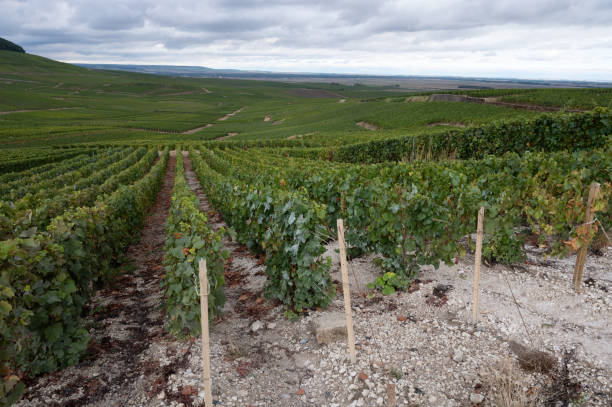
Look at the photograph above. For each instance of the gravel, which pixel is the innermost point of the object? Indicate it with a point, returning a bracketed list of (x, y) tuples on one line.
[(436, 357)]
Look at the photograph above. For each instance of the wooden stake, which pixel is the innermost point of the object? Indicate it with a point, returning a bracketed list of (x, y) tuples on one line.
[(479, 234), (346, 291), (392, 398), (205, 338), (582, 252)]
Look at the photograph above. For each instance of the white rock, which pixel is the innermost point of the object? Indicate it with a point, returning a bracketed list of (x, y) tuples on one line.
[(458, 356), (161, 395), (476, 398), (256, 326), (271, 325)]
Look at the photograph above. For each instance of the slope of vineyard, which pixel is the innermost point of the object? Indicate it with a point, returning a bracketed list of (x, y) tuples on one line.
[(84, 153)]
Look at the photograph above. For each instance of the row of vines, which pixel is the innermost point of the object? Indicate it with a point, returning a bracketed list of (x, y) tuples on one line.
[(417, 214), (24, 159), (189, 238), (32, 206), (48, 274)]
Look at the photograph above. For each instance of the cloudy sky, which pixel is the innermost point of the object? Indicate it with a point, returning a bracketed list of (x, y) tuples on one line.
[(552, 39)]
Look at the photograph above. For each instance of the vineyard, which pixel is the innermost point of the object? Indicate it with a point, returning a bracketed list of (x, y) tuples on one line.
[(256, 189)]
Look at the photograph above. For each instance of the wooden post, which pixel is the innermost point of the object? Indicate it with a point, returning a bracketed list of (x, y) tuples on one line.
[(582, 252), (392, 397), (479, 234), (346, 291), (205, 338)]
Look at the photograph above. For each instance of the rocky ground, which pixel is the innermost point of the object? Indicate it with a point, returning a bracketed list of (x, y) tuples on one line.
[(414, 348), (422, 350)]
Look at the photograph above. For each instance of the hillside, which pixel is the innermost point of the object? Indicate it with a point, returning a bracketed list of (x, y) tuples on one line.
[(104, 106), (26, 64), (6, 45), (49, 103)]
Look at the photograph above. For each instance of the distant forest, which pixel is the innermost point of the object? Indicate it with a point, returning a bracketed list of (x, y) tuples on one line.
[(6, 45)]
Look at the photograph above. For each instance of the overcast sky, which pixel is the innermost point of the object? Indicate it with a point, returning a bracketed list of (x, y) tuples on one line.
[(552, 39)]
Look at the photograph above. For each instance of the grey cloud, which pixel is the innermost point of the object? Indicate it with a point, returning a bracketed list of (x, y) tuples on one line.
[(294, 30), (109, 17)]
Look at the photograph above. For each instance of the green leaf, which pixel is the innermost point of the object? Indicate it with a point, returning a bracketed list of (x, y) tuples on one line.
[(388, 290), (15, 393), (5, 307), (53, 332)]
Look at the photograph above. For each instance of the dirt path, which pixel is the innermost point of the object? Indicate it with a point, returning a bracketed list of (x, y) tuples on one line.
[(416, 99), (194, 130), (367, 125), (15, 80), (37, 110), (227, 116), (191, 131), (129, 345), (231, 134), (455, 124)]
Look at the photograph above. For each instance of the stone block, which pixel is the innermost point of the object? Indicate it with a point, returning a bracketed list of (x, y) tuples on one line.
[(330, 327)]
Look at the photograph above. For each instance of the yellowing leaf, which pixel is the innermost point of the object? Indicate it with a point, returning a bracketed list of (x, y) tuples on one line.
[(572, 244), (5, 307), (8, 292)]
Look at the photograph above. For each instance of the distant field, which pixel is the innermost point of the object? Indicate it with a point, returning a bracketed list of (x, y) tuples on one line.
[(43, 102), (47, 103), (559, 98), (390, 82)]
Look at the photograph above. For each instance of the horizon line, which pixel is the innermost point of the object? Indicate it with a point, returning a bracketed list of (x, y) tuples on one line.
[(352, 74)]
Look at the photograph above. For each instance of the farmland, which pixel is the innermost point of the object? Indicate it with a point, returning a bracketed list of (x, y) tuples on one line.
[(115, 184)]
